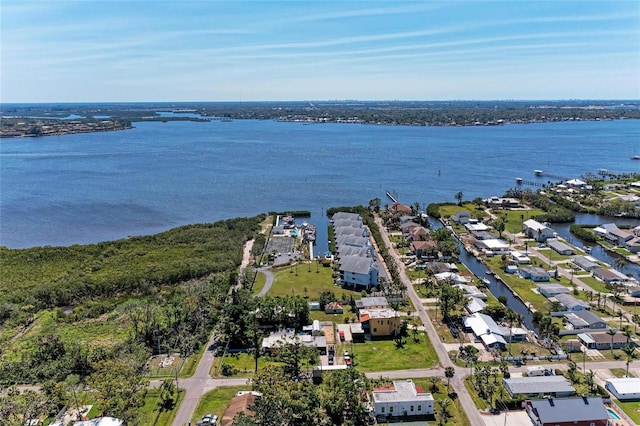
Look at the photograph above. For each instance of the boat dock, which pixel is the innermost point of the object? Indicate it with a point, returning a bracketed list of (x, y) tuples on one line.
[(391, 197)]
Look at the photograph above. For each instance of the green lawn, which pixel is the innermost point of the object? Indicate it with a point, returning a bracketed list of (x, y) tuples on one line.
[(216, 401), (288, 281), (595, 284), (457, 415), (149, 412), (619, 372), (513, 221), (631, 409), (261, 280), (383, 355), (191, 363), (244, 364)]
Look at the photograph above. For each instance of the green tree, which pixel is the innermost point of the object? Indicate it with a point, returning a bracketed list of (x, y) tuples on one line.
[(168, 395), (343, 397), (629, 352), (459, 196), (611, 332), (499, 226), (449, 372), (293, 355)]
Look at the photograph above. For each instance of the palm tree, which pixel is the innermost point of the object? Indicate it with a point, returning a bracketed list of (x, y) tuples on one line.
[(611, 332), (459, 196), (629, 350), (443, 404), (626, 332), (589, 380), (449, 373)]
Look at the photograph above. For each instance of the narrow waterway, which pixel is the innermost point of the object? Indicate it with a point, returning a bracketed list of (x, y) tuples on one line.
[(597, 251), (496, 287)]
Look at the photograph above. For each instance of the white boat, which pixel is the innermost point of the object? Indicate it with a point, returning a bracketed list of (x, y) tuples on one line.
[(538, 172), (636, 157), (486, 281)]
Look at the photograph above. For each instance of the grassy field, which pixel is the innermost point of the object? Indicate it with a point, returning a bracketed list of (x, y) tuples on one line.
[(383, 355), (513, 220), (619, 372), (216, 401), (289, 281), (244, 364)]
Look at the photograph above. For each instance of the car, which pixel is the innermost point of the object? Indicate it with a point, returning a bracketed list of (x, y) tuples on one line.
[(341, 336), (330, 358), (346, 353), (494, 410)]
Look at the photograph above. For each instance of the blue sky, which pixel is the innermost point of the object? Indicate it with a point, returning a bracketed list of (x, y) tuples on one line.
[(110, 51)]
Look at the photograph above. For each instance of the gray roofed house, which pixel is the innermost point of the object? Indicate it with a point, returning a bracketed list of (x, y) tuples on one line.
[(345, 231), (584, 263), (538, 386), (351, 240), (377, 302), (344, 250), (560, 247), (534, 273), (358, 271), (537, 231), (548, 290), (585, 319), (351, 223), (608, 275), (475, 305), (485, 329), (345, 215), (570, 303), (568, 411)]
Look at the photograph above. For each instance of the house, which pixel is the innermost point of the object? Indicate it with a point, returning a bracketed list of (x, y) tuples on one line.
[(345, 215), (633, 245), (476, 227), (576, 183), (570, 303), (399, 209), (602, 341), (462, 217), (537, 231), (584, 319), (314, 306), (585, 263), (402, 399), (520, 258), (352, 240), (485, 329), (333, 308), (581, 411), (534, 273), (511, 269), (475, 305), (502, 203), (472, 291), (278, 338), (604, 229), (239, 404), (609, 275), (494, 246), (560, 247), (356, 271), (550, 290), (377, 302), (538, 386), (483, 235), (380, 322), (424, 247), (572, 345), (514, 334), (618, 236), (625, 388)]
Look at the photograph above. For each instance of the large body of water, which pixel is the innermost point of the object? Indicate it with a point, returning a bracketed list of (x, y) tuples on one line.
[(84, 188)]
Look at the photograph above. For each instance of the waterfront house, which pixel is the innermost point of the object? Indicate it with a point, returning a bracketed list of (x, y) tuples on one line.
[(580, 411), (534, 273), (625, 388), (609, 275), (476, 227), (618, 237), (584, 320), (347, 231), (560, 247), (352, 240), (584, 262), (380, 322), (511, 269), (461, 217), (549, 290), (475, 305), (604, 229), (345, 215), (399, 209), (486, 330), (495, 246), (570, 303), (471, 291), (513, 334), (633, 245), (576, 183), (424, 248), (603, 341), (538, 386), (402, 399), (537, 231), (502, 203)]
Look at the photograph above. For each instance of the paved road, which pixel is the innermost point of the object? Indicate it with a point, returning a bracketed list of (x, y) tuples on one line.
[(460, 373), (267, 285)]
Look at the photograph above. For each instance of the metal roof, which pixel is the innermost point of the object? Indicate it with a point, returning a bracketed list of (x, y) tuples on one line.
[(559, 410), (538, 384)]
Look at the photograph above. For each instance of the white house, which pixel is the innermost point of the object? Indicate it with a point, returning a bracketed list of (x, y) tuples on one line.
[(624, 388), (485, 329), (520, 257), (402, 399), (356, 271), (536, 230)]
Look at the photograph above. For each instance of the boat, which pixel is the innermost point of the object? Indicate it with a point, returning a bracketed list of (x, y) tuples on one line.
[(486, 281), (538, 172), (635, 157), (587, 249), (518, 180), (489, 272)]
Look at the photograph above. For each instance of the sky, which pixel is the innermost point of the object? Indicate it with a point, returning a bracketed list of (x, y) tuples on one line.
[(235, 50)]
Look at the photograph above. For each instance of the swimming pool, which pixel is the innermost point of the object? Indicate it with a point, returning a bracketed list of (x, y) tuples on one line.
[(613, 414)]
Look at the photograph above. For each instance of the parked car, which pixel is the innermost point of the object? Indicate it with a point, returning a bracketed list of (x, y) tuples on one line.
[(341, 336), (330, 358)]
